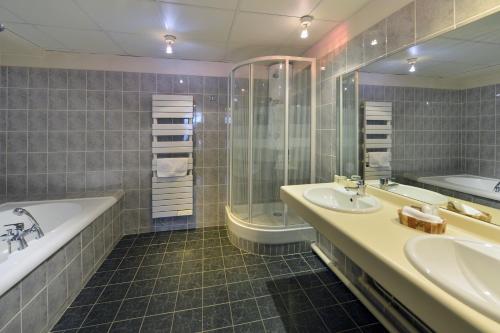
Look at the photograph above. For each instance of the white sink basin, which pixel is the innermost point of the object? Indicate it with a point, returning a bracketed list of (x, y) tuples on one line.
[(341, 200), (420, 194), (467, 269)]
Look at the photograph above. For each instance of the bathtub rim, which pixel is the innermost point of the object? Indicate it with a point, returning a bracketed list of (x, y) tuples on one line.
[(439, 181), (22, 263)]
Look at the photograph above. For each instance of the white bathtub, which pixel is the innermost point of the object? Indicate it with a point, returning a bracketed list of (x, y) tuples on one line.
[(470, 184), (61, 220)]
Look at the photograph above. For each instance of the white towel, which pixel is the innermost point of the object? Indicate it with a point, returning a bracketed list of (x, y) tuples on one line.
[(379, 159), (465, 209), (415, 213), (171, 167)]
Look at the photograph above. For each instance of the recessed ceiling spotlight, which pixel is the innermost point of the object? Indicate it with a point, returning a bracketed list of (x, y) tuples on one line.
[(374, 42), (412, 62), (170, 40), (323, 68), (305, 22)]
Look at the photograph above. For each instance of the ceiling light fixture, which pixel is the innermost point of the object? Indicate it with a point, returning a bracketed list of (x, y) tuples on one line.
[(412, 62), (170, 40), (305, 22), (374, 42)]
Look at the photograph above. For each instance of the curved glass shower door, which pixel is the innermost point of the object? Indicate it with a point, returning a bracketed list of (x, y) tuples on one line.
[(268, 142), (271, 137), (240, 89)]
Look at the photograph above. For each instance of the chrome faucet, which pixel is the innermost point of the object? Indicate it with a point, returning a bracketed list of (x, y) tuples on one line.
[(15, 235), (384, 183), (35, 226), (360, 188), (497, 187)]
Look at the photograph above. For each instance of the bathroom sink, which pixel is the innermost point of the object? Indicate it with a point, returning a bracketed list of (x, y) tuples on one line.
[(420, 194), (465, 268), (341, 200)]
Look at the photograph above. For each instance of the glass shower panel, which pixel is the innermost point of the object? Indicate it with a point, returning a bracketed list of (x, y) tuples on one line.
[(299, 129), (268, 142), (239, 189), (348, 118)]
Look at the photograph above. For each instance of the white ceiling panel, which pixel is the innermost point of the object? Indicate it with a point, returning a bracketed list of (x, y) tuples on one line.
[(218, 30), (140, 45), (133, 16), (83, 40), (7, 16), (337, 10), (296, 8), (212, 51), (237, 52), (61, 13), (10, 43), (197, 23), (31, 33), (259, 29), (222, 4)]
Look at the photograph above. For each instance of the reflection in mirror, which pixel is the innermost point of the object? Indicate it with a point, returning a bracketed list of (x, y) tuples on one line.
[(347, 117), (444, 131)]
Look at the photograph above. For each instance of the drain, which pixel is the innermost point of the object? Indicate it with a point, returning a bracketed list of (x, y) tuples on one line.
[(277, 214)]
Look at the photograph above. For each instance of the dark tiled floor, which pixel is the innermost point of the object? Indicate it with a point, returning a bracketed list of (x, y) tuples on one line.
[(193, 281)]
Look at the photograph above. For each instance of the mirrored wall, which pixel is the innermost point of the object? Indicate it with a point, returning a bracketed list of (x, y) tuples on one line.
[(444, 99)]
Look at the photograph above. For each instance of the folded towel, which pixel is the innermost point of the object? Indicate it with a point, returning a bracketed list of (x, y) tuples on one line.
[(415, 213), (379, 159), (172, 167), (463, 208), (456, 206)]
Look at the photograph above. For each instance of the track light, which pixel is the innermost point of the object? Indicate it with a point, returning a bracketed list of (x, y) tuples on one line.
[(305, 22), (170, 40), (412, 62)]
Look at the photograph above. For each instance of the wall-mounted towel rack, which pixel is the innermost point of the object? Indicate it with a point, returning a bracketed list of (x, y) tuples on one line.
[(172, 137), (376, 136)]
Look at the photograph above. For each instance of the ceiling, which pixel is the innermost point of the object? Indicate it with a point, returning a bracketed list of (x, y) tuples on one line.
[(465, 52), (209, 30)]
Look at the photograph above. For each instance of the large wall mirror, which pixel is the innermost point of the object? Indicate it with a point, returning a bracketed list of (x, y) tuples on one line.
[(429, 117)]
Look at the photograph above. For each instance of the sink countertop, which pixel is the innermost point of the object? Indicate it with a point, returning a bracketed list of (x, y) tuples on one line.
[(375, 241)]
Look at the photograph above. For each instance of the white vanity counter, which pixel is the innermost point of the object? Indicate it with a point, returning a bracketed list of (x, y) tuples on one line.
[(375, 241)]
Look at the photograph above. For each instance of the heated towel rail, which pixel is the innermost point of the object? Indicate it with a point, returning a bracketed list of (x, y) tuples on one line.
[(172, 137)]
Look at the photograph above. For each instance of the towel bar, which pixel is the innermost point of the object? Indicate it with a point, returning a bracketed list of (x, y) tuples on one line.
[(377, 136), (172, 196)]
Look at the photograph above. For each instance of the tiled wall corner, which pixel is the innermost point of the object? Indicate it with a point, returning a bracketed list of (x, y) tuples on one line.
[(74, 131)]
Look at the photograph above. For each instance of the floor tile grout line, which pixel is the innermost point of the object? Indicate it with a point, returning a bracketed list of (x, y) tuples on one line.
[(95, 302), (154, 242), (150, 296)]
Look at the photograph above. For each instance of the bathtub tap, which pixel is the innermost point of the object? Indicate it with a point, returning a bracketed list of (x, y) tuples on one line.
[(497, 187), (15, 235), (35, 227)]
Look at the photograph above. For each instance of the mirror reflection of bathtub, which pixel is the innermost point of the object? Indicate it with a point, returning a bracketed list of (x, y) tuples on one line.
[(469, 184)]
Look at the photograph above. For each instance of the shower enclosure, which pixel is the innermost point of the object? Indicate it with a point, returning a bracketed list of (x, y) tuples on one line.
[(271, 140)]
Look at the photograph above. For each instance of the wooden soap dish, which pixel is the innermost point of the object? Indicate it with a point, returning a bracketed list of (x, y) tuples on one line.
[(430, 228), (486, 217)]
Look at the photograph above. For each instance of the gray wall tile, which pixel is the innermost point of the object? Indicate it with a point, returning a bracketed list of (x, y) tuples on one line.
[(77, 130), (433, 16), (401, 28)]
